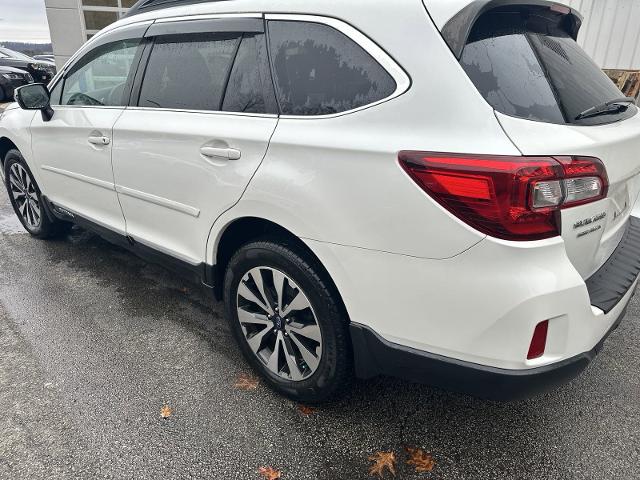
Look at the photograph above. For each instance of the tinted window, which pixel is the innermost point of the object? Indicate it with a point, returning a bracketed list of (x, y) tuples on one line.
[(527, 66), (319, 70), (56, 93), (188, 72), (101, 76), (250, 88)]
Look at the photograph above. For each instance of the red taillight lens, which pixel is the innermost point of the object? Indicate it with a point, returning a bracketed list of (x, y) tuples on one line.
[(538, 341), (514, 198)]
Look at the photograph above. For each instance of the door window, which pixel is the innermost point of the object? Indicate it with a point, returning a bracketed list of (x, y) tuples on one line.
[(100, 78), (319, 70), (188, 72), (250, 89)]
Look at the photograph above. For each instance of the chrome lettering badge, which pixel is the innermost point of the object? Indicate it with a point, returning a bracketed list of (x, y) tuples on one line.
[(588, 221)]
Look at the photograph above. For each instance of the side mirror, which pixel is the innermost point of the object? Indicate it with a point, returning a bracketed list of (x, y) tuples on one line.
[(35, 97)]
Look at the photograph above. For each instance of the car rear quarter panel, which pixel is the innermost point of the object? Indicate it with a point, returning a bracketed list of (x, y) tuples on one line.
[(338, 180)]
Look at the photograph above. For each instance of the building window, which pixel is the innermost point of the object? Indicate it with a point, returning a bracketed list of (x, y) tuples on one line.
[(100, 13)]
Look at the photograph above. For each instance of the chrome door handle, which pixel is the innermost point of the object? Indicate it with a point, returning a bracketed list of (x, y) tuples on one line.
[(226, 153), (99, 140)]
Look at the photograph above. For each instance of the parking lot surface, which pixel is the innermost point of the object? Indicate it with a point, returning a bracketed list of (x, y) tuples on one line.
[(94, 342)]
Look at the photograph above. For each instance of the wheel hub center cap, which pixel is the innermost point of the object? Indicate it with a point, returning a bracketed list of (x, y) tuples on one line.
[(278, 322)]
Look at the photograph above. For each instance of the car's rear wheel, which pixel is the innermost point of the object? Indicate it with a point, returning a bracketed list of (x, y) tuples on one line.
[(287, 321), (26, 198)]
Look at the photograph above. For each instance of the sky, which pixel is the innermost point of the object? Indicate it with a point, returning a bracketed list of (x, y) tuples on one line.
[(23, 21)]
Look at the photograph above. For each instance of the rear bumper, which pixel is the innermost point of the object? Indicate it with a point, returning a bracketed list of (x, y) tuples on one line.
[(376, 356), (610, 290)]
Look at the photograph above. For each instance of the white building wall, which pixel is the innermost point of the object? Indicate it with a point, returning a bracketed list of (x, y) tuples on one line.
[(66, 27), (611, 32)]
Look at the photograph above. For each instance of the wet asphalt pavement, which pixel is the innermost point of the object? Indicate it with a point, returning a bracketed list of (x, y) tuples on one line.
[(94, 342)]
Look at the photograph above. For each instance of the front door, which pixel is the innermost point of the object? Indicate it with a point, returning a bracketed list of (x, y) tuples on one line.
[(73, 150), (199, 130)]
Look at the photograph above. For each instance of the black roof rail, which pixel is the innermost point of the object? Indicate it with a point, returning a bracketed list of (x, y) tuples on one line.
[(143, 6)]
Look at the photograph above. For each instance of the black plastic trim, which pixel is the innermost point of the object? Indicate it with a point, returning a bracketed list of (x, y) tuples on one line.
[(456, 31), (201, 273), (613, 280), (374, 356)]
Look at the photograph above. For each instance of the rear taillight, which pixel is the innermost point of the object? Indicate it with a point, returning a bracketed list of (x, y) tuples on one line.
[(513, 198)]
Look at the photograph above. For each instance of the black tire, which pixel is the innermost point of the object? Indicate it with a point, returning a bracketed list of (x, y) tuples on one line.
[(3, 95), (46, 227), (334, 371)]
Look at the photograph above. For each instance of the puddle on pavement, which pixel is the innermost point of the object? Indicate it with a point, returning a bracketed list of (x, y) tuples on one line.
[(9, 224)]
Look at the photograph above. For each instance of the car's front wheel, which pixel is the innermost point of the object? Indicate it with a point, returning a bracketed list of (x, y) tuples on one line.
[(287, 321), (26, 198)]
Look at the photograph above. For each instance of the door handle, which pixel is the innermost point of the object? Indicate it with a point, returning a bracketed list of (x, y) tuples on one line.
[(226, 153), (99, 140)]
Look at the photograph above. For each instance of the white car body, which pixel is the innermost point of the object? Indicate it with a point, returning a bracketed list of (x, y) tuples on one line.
[(407, 269)]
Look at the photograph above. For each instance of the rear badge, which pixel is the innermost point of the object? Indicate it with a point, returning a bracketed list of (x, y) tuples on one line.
[(591, 230), (589, 221)]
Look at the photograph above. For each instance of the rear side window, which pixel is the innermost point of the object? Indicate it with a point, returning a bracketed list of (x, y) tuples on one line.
[(250, 89), (188, 72), (319, 70), (526, 65)]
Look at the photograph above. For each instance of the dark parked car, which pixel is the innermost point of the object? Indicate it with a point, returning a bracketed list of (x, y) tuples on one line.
[(39, 70), (45, 58), (10, 79)]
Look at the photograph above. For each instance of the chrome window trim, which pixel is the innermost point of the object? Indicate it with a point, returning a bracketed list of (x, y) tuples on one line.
[(402, 79), (208, 112)]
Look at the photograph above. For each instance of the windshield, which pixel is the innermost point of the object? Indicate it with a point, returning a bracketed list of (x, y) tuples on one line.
[(13, 54), (525, 65)]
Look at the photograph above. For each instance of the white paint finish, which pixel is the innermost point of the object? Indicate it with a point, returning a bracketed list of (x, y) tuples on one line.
[(108, 185), (179, 193), (160, 201), (617, 145), (481, 306), (78, 175)]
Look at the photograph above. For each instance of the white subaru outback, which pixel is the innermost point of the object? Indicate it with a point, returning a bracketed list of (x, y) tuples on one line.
[(439, 190)]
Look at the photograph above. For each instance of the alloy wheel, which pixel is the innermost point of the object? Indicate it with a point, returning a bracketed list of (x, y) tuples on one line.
[(25, 196), (279, 324)]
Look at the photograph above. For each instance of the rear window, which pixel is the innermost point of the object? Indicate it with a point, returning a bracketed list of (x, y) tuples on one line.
[(526, 65), (319, 70)]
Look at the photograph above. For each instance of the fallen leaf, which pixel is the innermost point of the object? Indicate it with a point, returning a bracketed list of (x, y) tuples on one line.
[(304, 410), (382, 461), (270, 473), (165, 412), (246, 382), (423, 462)]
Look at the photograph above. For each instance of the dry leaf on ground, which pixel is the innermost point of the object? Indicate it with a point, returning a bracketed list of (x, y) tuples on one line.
[(382, 461), (165, 412), (305, 410), (423, 462), (270, 473), (246, 382)]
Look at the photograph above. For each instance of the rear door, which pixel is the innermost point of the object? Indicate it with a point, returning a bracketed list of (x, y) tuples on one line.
[(198, 128), (542, 85)]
